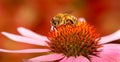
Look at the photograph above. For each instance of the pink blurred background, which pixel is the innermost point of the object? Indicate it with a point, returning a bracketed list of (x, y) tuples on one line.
[(36, 15)]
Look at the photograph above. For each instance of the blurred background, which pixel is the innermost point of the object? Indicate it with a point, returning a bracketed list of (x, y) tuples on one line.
[(36, 15)]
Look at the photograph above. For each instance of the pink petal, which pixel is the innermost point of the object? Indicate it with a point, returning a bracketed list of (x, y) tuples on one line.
[(113, 54), (31, 34), (50, 57), (25, 51), (64, 59), (81, 59), (24, 39), (111, 37), (111, 47), (71, 59), (97, 59), (110, 57), (110, 52)]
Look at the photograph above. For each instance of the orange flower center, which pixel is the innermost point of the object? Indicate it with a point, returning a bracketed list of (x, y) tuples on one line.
[(74, 40)]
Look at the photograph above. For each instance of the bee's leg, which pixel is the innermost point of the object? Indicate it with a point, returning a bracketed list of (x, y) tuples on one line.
[(53, 28), (81, 20)]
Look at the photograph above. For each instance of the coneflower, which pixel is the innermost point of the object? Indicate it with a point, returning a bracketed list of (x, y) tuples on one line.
[(69, 43)]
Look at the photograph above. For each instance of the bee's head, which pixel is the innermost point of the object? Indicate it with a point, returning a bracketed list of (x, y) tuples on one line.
[(57, 20)]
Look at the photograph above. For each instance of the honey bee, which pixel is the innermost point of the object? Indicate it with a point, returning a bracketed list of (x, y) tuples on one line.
[(63, 18)]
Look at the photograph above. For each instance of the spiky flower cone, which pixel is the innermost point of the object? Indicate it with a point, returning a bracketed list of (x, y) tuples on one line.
[(74, 40)]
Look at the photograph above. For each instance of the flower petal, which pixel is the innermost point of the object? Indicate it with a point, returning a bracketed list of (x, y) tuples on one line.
[(31, 34), (25, 51), (97, 59), (71, 59), (111, 47), (24, 39), (81, 59), (112, 55), (64, 59), (111, 37), (50, 57)]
